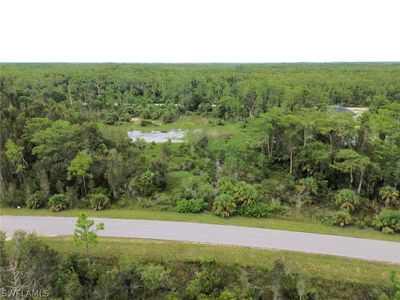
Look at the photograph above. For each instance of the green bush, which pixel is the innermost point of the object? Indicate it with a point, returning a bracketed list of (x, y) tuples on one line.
[(241, 192), (341, 218), (258, 210), (144, 184), (205, 283), (58, 202), (307, 186), (361, 224), (110, 118), (36, 200), (190, 206), (195, 187), (347, 199), (224, 206), (275, 208), (245, 194), (387, 230), (389, 196), (227, 295), (155, 277), (389, 219), (98, 201)]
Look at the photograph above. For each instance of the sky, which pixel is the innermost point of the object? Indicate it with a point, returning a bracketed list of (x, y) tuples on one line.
[(186, 31)]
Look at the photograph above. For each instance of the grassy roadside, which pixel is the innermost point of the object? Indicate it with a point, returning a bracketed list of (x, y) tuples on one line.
[(326, 267), (211, 219)]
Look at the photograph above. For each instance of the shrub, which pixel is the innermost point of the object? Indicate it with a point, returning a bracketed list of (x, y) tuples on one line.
[(389, 219), (245, 194), (154, 277), (341, 218), (58, 202), (361, 224), (275, 208), (227, 295), (144, 184), (188, 164), (226, 186), (190, 206), (195, 187), (110, 118), (36, 200), (389, 196), (307, 186), (98, 201), (347, 199), (387, 230), (241, 192), (258, 210), (205, 283), (224, 206)]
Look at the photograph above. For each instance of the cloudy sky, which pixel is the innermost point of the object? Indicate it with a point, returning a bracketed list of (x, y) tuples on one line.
[(199, 31)]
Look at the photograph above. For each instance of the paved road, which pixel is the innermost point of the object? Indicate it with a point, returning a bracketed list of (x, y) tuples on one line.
[(216, 234)]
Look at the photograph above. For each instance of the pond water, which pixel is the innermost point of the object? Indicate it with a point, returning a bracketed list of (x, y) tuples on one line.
[(175, 136)]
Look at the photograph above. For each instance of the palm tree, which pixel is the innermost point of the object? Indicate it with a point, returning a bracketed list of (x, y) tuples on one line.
[(389, 196)]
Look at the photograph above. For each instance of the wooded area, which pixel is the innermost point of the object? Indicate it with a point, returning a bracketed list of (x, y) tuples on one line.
[(279, 146)]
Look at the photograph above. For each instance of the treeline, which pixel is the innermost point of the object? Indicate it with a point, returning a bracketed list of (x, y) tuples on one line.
[(30, 269), (121, 91)]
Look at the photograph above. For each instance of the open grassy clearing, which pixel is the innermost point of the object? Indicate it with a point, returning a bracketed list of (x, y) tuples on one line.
[(144, 214), (326, 267), (190, 123)]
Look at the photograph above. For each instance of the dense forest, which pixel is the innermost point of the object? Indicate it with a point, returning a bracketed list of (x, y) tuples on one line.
[(274, 143)]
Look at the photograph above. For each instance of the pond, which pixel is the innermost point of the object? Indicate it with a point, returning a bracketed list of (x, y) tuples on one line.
[(175, 136)]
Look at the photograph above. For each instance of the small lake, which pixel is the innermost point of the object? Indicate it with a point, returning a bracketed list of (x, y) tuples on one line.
[(175, 136)]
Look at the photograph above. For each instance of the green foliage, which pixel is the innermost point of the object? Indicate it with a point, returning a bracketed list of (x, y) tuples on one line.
[(392, 288), (58, 202), (388, 219), (307, 186), (144, 184), (263, 127), (111, 118), (241, 193), (190, 206), (205, 283), (245, 194), (387, 230), (389, 196), (347, 199), (277, 209), (341, 218), (257, 210), (15, 154), (36, 200), (224, 206), (195, 187), (98, 200), (80, 165), (155, 277), (152, 270), (32, 264), (86, 232)]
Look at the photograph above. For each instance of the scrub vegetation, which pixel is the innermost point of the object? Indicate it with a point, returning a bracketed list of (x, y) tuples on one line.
[(146, 269)]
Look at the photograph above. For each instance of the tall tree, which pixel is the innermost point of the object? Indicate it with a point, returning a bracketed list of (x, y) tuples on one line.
[(79, 167)]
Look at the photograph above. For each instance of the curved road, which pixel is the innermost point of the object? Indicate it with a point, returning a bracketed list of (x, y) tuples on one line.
[(216, 234)]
